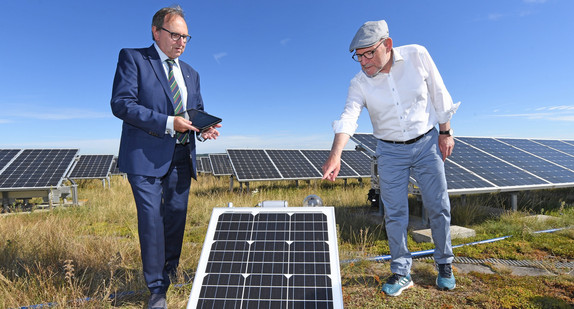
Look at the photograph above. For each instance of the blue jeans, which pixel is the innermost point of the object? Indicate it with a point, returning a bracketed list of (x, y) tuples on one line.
[(395, 162)]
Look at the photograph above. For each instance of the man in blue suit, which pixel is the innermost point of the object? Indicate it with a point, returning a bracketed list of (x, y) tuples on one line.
[(156, 151)]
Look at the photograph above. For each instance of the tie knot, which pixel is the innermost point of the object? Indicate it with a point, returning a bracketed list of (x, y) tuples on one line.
[(170, 62)]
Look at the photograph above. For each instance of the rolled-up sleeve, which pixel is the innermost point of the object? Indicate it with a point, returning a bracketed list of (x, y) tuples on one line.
[(347, 123), (440, 97)]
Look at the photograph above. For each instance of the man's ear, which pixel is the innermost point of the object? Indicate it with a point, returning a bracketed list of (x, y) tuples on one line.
[(154, 31), (388, 44)]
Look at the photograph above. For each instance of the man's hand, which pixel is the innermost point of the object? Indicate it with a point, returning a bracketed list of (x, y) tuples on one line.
[(183, 125), (331, 167), (446, 145), (211, 133)]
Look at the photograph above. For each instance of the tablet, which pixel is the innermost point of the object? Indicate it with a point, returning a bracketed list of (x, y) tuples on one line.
[(201, 119)]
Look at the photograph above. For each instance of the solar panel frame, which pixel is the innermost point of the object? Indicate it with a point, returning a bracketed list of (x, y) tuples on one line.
[(6, 156), (261, 260), (92, 167)]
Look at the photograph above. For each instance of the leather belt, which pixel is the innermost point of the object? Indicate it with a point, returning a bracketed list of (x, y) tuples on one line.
[(410, 141)]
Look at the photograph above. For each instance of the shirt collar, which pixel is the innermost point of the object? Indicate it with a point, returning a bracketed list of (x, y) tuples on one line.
[(397, 56), (162, 55)]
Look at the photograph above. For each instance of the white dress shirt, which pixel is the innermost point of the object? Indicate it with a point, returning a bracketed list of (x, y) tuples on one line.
[(404, 103), (180, 83)]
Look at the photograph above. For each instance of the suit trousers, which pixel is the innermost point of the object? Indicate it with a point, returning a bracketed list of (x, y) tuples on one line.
[(423, 159), (161, 210)]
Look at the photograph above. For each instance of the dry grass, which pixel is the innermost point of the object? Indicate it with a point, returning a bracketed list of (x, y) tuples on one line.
[(78, 257)]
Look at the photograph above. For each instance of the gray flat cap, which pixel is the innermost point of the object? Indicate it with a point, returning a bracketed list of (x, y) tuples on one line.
[(369, 34)]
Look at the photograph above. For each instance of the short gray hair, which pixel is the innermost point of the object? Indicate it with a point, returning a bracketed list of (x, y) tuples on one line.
[(159, 17)]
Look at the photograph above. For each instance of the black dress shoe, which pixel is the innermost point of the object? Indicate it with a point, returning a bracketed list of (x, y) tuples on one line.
[(157, 301)]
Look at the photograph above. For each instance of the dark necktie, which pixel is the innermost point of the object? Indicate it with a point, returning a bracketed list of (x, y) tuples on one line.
[(183, 138)]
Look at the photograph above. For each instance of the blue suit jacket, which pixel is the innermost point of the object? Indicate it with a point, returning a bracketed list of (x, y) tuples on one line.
[(142, 99)]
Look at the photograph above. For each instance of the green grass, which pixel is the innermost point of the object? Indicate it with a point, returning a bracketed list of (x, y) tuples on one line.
[(79, 256)]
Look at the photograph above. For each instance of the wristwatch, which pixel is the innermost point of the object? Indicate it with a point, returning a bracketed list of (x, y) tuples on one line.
[(448, 132)]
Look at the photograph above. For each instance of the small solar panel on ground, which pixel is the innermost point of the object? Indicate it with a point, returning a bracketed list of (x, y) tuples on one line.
[(293, 165), (92, 167), (252, 165), (220, 164), (269, 258), (37, 168)]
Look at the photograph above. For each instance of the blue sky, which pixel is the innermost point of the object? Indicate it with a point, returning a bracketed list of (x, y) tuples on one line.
[(277, 72)]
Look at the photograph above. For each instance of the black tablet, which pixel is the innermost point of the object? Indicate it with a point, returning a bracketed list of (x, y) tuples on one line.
[(201, 119)]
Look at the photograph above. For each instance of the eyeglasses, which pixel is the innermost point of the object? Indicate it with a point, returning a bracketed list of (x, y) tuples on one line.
[(177, 36), (369, 55)]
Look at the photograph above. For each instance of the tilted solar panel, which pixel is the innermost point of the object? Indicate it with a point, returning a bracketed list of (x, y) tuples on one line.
[(37, 168), (269, 258), (556, 156), (542, 168), (293, 165), (318, 158), (494, 170), (358, 161), (220, 164), (92, 167), (252, 165), (206, 164), (6, 155), (367, 140)]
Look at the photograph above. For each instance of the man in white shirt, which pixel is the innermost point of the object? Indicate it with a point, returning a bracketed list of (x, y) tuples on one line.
[(406, 98)]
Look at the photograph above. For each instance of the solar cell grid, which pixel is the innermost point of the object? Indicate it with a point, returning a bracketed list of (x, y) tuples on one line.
[(292, 164), (542, 151), (37, 168), (6, 155), (280, 258), (460, 178), (488, 167), (220, 164), (358, 161), (550, 172), (367, 140), (318, 158), (252, 165), (563, 146), (206, 164), (92, 166)]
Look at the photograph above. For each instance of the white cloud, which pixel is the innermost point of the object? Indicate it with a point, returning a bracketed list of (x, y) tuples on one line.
[(284, 41), (495, 16), (552, 113), (219, 56)]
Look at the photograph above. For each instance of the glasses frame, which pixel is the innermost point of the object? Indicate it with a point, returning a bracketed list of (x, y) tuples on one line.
[(369, 54), (176, 36)]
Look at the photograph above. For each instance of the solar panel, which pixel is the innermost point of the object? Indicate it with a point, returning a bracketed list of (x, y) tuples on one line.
[(6, 155), (367, 140), (115, 170), (563, 146), (206, 164), (269, 258), (293, 165), (551, 173), (546, 152), (252, 165), (318, 158), (220, 164), (358, 161), (92, 167), (37, 168)]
